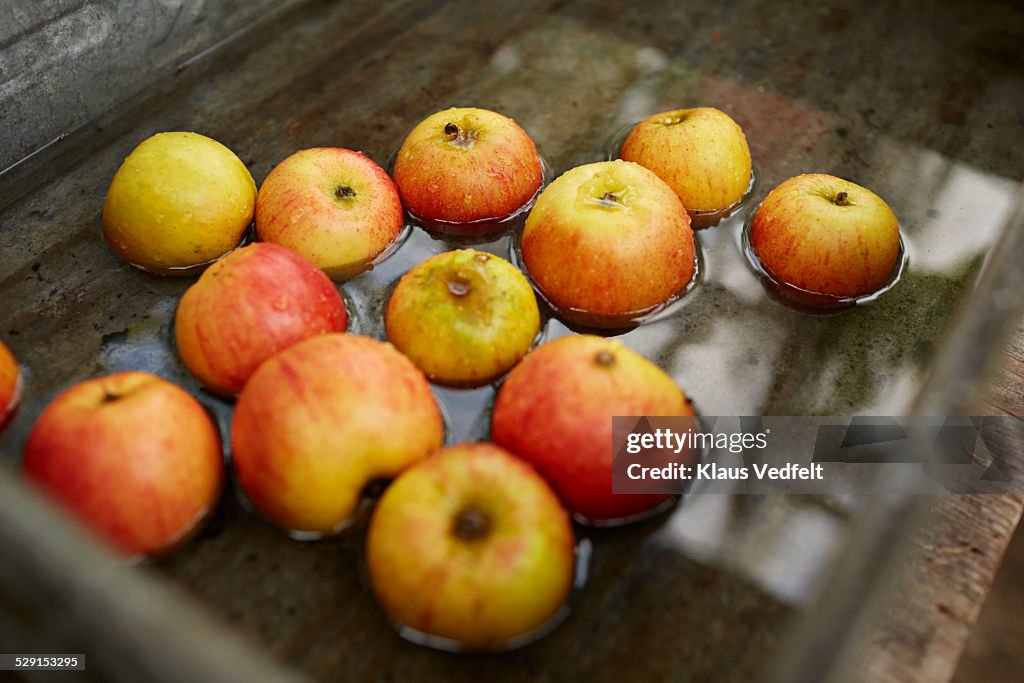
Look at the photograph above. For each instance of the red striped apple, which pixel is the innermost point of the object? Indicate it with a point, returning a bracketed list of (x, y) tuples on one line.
[(471, 545), (701, 153), (251, 304), (333, 206), (179, 200), (10, 385), (466, 165), (133, 456), (320, 420), (607, 242), (827, 236), (555, 410), (463, 317)]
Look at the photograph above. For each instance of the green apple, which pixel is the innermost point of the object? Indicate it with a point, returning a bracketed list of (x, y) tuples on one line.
[(463, 317), (466, 165), (825, 235), (471, 545), (335, 207), (179, 200), (701, 153), (607, 242)]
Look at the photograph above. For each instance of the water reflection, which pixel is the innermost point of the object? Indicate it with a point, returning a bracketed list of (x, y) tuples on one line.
[(785, 548)]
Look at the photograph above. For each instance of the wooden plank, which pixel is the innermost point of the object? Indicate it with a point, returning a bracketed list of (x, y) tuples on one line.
[(939, 591)]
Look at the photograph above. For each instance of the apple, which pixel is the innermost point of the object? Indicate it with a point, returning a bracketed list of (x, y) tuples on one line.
[(133, 456), (701, 153), (472, 546), (334, 206), (463, 317), (555, 410), (179, 200), (466, 165), (607, 242), (10, 384), (249, 305), (827, 236), (319, 421)]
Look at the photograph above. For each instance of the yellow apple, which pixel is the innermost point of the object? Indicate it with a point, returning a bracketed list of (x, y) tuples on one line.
[(828, 236), (701, 153), (178, 200), (323, 418), (463, 317), (471, 545)]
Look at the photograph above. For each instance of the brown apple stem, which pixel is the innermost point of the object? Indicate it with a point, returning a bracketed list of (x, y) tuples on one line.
[(841, 199), (609, 197), (605, 359), (374, 489), (471, 524), (344, 192), (451, 130), (109, 396)]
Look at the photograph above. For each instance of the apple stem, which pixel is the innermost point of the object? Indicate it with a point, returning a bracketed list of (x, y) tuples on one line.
[(471, 524), (374, 489), (605, 359), (451, 130), (109, 397), (344, 192), (841, 199)]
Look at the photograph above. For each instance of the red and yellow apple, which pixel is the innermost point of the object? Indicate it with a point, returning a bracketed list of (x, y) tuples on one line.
[(466, 165), (320, 420), (555, 410), (179, 200), (608, 241), (701, 153), (249, 305), (10, 384), (471, 545), (133, 456), (334, 206), (463, 317), (827, 236)]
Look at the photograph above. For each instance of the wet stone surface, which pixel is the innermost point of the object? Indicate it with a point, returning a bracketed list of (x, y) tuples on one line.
[(916, 105)]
